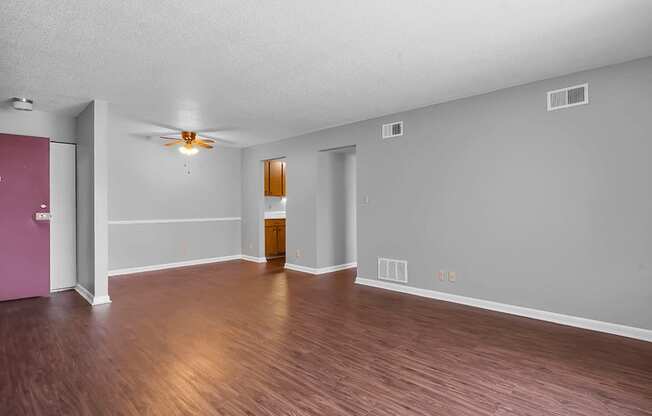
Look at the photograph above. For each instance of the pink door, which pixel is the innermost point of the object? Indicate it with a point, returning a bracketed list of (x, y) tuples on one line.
[(24, 242)]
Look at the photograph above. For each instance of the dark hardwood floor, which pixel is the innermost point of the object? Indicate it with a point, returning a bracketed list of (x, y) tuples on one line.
[(241, 338)]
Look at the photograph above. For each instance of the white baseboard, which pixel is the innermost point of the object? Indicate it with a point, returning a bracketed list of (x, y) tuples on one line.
[(323, 270), (62, 289), (153, 267), (254, 259), (336, 268), (84, 293), (101, 300), (88, 296), (298, 268), (168, 221), (610, 328)]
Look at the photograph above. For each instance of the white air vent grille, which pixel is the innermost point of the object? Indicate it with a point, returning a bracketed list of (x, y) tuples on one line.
[(392, 130), (392, 270), (568, 97)]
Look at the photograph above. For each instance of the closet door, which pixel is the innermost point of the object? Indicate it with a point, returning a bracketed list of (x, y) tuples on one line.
[(63, 259)]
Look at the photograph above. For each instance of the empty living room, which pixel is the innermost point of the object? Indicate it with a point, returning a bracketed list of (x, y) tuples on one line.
[(326, 207)]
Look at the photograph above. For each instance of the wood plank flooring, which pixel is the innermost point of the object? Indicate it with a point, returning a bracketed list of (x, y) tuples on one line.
[(241, 338)]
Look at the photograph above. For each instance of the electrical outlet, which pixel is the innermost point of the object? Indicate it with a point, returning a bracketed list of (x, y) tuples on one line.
[(452, 276), (298, 253), (441, 275), (251, 245)]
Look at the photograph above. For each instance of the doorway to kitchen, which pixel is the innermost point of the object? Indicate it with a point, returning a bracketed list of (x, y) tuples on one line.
[(275, 198)]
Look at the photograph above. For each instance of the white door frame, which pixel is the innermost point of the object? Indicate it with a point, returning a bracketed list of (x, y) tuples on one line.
[(63, 207)]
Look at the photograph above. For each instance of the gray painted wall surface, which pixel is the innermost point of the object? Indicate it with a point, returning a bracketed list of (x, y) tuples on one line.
[(548, 210), (350, 215), (85, 204), (92, 226), (150, 182), (100, 192), (137, 245), (37, 123), (335, 209)]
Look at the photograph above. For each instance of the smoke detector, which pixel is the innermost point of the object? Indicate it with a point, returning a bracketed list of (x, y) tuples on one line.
[(23, 104)]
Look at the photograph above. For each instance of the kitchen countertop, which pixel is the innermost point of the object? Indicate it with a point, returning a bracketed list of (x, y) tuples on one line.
[(274, 215)]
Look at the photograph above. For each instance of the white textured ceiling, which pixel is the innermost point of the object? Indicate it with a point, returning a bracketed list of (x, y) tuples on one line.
[(265, 70)]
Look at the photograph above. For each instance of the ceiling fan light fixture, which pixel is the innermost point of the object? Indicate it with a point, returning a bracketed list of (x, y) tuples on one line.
[(188, 150), (189, 143)]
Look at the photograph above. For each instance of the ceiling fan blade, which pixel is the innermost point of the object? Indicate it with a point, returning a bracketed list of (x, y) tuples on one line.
[(174, 143), (216, 139), (149, 135), (203, 140), (202, 144)]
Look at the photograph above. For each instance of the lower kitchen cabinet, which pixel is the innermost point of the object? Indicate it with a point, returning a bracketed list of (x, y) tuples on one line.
[(274, 237)]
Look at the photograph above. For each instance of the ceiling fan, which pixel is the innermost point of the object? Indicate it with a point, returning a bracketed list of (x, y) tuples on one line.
[(190, 142)]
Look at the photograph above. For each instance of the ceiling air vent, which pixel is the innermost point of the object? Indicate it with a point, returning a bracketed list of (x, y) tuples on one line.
[(392, 270), (568, 97), (392, 129)]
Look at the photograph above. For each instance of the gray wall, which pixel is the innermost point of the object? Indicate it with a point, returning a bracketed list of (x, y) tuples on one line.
[(100, 193), (150, 182), (335, 209), (85, 204), (37, 123), (350, 213), (92, 227), (548, 210)]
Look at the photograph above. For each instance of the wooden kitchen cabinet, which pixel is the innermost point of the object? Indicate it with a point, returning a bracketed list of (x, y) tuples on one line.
[(284, 176), (271, 241), (280, 239), (266, 170), (275, 176), (274, 237)]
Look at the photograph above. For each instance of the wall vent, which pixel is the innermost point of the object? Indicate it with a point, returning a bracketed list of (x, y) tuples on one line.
[(568, 97), (392, 270), (394, 129)]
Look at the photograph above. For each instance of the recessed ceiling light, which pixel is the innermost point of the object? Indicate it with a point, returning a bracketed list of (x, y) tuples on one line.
[(22, 104)]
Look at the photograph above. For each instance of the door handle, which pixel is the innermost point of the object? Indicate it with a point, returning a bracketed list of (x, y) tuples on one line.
[(42, 216)]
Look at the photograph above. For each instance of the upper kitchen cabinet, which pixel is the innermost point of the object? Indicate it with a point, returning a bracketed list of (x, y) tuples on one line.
[(284, 177), (275, 174), (266, 170)]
